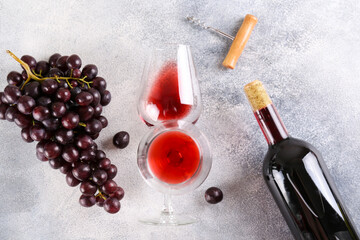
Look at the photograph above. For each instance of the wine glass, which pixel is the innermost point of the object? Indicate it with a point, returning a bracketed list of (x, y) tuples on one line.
[(173, 158), (170, 89)]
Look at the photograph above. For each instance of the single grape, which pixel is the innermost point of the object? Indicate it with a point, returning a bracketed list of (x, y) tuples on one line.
[(74, 92), (112, 171), (97, 110), (103, 120), (22, 120), (100, 155), (93, 126), (1, 97), (65, 168), (53, 58), (61, 63), (88, 188), (68, 73), (90, 71), (87, 201), (12, 94), (56, 163), (40, 113), (121, 139), (29, 60), (52, 150), (32, 89), (64, 136), (71, 180), (63, 94), (49, 86), (26, 104), (82, 171), (119, 193), (63, 84), (94, 147), (104, 164), (96, 95), (70, 153), (40, 146), (76, 74), (99, 83), (14, 78), (87, 155), (112, 205), (84, 141), (73, 62), (24, 75), (109, 187), (37, 133), (3, 109), (48, 134), (58, 109), (42, 68), (100, 201), (51, 124), (95, 136), (70, 120), (55, 72), (85, 113), (10, 113), (74, 83), (25, 134), (99, 177), (106, 98), (41, 157), (84, 98), (213, 195), (43, 101)]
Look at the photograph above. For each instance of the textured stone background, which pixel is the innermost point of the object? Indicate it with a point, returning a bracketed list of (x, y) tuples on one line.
[(306, 52)]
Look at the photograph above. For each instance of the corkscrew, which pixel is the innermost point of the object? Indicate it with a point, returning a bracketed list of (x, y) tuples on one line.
[(239, 41)]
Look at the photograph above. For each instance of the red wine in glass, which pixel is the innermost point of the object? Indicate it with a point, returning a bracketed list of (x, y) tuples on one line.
[(170, 90), (165, 95), (173, 157)]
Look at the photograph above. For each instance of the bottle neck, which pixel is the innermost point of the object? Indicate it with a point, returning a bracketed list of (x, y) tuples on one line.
[(271, 124)]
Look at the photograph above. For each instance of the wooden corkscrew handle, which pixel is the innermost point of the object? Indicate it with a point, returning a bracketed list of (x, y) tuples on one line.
[(240, 41)]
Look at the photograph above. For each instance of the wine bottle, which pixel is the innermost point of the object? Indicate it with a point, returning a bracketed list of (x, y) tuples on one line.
[(298, 178)]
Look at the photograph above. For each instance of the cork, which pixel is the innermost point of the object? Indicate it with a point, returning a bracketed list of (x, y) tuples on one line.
[(257, 95), (240, 41)]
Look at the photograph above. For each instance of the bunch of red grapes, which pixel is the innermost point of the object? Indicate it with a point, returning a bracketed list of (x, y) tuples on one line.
[(60, 106)]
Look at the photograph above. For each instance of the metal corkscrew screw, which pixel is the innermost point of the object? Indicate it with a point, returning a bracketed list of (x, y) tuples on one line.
[(239, 41), (197, 22)]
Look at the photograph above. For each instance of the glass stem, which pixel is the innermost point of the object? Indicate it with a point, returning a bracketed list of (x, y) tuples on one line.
[(167, 208)]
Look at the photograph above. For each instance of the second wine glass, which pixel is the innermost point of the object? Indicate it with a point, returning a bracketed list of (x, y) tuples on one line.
[(170, 89), (174, 159)]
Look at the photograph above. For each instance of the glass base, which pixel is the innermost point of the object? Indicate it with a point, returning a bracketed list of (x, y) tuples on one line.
[(169, 219)]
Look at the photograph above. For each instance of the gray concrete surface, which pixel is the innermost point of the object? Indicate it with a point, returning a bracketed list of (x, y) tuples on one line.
[(306, 53)]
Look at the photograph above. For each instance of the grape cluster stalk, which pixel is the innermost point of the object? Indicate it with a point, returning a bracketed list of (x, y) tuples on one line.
[(59, 105)]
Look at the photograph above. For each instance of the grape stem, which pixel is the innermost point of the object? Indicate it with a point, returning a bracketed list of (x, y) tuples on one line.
[(38, 77), (100, 194), (82, 124)]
